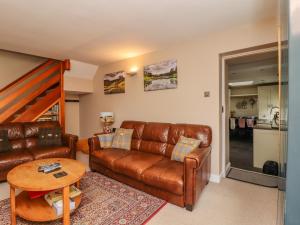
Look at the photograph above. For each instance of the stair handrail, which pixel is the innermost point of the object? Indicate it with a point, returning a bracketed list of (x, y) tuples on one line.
[(26, 75), (29, 85)]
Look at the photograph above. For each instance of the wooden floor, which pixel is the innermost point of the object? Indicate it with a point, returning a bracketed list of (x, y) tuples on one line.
[(241, 153)]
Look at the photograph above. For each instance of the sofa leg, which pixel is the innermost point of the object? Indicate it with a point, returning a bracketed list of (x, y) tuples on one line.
[(92, 169), (189, 208)]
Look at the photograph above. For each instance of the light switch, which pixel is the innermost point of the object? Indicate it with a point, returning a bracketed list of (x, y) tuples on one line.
[(206, 94)]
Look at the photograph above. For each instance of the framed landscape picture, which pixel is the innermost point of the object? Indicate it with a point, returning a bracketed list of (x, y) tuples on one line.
[(114, 83), (160, 76)]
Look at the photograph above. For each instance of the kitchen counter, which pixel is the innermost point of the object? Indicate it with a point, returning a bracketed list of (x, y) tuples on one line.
[(265, 127)]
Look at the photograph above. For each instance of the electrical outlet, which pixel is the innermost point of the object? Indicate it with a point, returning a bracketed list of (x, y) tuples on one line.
[(206, 94)]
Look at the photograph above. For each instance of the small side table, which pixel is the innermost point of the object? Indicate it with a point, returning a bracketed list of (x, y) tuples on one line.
[(27, 178), (83, 146)]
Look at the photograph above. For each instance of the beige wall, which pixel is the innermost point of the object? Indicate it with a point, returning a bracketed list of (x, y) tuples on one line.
[(79, 85), (13, 65), (198, 71)]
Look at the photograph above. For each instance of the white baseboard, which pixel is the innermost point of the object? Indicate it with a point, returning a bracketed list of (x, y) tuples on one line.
[(215, 178)]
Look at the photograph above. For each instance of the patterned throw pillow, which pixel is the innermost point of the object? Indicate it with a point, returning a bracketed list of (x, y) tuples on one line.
[(122, 138), (4, 142), (50, 136), (106, 140), (183, 147)]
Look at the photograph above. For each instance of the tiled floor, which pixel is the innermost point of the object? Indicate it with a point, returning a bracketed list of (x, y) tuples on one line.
[(228, 203)]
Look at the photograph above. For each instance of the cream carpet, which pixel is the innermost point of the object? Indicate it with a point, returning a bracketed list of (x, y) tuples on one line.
[(229, 203)]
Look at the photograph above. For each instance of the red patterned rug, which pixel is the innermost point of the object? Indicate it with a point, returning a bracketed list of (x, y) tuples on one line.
[(104, 202)]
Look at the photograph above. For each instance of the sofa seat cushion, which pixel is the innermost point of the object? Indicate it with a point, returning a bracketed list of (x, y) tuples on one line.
[(50, 152), (134, 164), (107, 157), (13, 158), (167, 175)]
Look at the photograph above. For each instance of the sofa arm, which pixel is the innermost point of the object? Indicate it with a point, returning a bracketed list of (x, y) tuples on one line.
[(94, 144), (70, 141), (196, 174)]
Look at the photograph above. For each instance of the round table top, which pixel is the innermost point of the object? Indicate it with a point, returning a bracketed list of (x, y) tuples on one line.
[(27, 177)]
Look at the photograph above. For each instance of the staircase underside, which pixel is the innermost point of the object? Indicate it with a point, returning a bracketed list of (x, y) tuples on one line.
[(29, 97)]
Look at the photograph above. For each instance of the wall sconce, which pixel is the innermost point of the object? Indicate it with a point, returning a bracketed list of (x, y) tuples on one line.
[(133, 71)]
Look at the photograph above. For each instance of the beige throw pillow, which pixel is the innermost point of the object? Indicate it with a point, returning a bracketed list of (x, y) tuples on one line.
[(183, 147), (106, 140), (122, 138)]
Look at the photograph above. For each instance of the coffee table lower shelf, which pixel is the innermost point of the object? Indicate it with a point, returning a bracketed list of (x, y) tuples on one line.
[(37, 210)]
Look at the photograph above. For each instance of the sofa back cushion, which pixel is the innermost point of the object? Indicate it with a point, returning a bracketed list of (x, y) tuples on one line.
[(138, 128), (14, 130), (50, 136), (4, 142), (160, 138), (155, 137), (15, 134), (31, 131), (200, 132)]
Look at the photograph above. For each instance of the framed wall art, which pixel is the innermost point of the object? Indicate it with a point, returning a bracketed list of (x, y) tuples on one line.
[(114, 83), (161, 75)]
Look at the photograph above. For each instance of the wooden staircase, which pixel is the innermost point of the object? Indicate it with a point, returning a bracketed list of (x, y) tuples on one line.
[(29, 97)]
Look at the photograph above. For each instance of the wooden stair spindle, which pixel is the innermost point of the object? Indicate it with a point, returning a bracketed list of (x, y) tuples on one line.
[(33, 94)]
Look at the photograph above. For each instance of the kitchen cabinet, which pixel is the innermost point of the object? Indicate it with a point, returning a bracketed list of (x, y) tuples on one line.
[(266, 146), (267, 98)]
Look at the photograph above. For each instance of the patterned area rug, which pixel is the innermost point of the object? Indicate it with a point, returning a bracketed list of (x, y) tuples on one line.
[(104, 202)]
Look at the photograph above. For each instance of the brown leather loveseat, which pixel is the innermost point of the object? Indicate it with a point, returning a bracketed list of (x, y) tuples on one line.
[(148, 167), (23, 138)]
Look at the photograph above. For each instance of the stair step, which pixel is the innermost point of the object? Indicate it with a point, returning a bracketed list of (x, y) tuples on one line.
[(28, 106), (49, 90), (17, 115), (41, 104)]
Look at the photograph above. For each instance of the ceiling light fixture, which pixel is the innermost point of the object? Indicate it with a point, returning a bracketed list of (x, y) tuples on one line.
[(241, 83)]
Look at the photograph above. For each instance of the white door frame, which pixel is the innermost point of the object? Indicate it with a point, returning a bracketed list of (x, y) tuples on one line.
[(224, 139)]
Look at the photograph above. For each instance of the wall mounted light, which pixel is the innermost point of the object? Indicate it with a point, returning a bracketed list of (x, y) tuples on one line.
[(133, 71)]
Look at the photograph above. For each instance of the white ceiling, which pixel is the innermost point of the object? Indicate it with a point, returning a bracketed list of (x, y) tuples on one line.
[(104, 31), (260, 68)]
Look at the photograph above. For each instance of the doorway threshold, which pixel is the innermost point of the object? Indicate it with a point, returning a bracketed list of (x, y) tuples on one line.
[(253, 177)]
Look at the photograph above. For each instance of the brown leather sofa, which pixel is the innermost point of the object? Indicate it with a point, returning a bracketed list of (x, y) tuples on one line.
[(23, 138), (148, 167)]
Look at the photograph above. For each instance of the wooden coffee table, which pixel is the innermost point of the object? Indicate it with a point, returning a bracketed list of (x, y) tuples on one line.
[(27, 178)]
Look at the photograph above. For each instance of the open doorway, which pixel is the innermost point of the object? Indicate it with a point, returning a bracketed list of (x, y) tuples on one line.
[(251, 116)]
